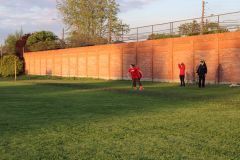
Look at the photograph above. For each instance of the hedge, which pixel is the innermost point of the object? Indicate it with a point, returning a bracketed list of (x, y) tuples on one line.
[(7, 65)]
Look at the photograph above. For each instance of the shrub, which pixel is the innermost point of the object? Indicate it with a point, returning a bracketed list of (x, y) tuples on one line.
[(81, 40), (7, 66), (162, 36), (43, 46)]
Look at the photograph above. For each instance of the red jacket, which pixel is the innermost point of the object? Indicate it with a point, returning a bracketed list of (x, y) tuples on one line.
[(182, 69)]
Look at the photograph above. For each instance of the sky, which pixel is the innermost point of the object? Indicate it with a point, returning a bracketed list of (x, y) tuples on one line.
[(37, 15)]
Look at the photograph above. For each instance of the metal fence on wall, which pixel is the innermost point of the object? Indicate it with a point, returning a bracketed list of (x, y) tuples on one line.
[(228, 22)]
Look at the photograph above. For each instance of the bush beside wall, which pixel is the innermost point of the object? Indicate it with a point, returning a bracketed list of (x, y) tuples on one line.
[(7, 65)]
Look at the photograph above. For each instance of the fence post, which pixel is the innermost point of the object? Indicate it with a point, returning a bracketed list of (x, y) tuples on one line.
[(15, 69), (137, 34), (170, 28), (122, 35), (152, 29), (122, 62)]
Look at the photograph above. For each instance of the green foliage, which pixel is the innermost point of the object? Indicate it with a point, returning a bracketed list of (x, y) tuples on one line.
[(119, 28), (162, 36), (7, 66), (212, 28), (92, 17), (11, 40), (193, 28), (189, 28), (10, 43), (43, 46), (41, 36), (79, 40)]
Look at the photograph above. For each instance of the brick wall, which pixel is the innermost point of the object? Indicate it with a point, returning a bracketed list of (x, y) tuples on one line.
[(157, 59)]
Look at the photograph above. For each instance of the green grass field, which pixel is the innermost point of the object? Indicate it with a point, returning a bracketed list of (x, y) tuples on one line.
[(43, 117)]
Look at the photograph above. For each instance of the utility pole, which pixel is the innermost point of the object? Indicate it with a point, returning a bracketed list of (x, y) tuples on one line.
[(63, 34), (109, 30), (203, 3), (62, 28), (15, 69)]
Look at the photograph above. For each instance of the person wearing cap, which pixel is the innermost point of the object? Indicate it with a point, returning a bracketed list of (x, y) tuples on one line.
[(181, 66), (202, 72)]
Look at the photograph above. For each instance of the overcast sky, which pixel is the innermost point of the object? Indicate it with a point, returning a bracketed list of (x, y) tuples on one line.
[(37, 15)]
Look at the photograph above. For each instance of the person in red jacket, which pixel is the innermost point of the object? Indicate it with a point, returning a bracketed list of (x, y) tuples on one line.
[(181, 66), (139, 76), (134, 74)]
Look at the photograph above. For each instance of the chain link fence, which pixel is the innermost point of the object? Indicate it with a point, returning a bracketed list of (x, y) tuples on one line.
[(227, 22)]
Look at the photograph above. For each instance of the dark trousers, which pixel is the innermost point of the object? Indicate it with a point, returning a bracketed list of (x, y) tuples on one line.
[(201, 81), (134, 81), (182, 80)]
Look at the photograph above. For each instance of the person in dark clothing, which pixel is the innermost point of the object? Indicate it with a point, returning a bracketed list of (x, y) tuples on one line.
[(181, 66), (202, 71)]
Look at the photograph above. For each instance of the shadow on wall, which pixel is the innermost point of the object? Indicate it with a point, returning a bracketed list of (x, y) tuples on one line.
[(188, 77), (196, 75), (219, 73), (49, 72)]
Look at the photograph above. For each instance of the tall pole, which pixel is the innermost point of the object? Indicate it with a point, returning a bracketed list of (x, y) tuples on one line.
[(62, 28), (202, 17), (15, 70), (109, 29), (63, 34)]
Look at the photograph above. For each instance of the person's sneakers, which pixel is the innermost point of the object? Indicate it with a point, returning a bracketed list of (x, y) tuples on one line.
[(141, 88), (135, 88)]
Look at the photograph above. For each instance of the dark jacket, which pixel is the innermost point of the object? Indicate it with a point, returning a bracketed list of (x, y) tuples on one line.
[(202, 70)]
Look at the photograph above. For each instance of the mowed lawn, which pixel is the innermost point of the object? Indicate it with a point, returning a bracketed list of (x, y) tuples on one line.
[(45, 117)]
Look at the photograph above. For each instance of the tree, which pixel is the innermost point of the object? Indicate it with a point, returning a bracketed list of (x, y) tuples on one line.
[(213, 27), (20, 44), (10, 42), (189, 28), (41, 36), (91, 17), (193, 28)]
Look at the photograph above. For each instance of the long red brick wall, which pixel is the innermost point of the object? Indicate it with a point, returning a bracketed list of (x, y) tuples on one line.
[(157, 59)]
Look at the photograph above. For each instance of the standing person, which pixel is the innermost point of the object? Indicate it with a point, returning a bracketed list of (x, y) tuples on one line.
[(181, 66), (202, 72), (134, 74), (139, 77)]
